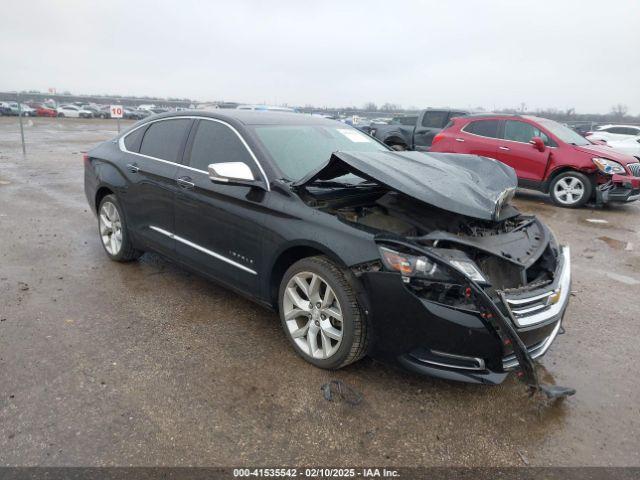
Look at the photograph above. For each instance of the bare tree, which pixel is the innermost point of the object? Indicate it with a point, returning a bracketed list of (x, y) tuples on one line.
[(370, 107), (390, 107), (619, 111)]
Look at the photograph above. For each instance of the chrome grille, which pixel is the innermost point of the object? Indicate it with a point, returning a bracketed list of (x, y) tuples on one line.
[(527, 307), (635, 169)]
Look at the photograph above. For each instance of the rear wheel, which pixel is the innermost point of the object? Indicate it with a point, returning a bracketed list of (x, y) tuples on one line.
[(61, 115), (571, 189), (398, 147), (113, 231), (321, 315)]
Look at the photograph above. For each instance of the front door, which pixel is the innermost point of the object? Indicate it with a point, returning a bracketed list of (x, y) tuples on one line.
[(219, 228), (516, 151)]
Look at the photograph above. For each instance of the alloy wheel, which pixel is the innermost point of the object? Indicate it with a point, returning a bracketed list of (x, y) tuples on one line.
[(569, 190), (313, 315), (110, 228)]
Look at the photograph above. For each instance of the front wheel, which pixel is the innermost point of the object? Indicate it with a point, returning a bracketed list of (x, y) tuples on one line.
[(571, 189), (320, 314), (113, 231)]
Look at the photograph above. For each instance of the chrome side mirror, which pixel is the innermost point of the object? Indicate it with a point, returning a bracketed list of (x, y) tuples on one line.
[(231, 172)]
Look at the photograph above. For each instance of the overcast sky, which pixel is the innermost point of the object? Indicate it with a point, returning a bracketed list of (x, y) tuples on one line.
[(490, 53)]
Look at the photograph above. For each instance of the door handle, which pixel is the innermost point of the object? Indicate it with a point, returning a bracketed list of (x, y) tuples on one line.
[(504, 148), (459, 139), (133, 168), (185, 182)]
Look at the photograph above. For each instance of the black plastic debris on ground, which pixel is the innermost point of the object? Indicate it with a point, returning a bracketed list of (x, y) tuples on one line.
[(338, 390)]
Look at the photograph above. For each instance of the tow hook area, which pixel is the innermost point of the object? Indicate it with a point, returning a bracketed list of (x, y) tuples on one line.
[(504, 327)]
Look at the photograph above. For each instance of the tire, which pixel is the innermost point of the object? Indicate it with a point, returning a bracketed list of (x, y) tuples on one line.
[(571, 189), (319, 327), (61, 115), (116, 243), (398, 147)]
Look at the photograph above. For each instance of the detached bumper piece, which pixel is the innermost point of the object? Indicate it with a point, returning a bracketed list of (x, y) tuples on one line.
[(536, 309)]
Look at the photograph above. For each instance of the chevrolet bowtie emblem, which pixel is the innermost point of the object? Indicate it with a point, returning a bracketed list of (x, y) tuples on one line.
[(555, 297)]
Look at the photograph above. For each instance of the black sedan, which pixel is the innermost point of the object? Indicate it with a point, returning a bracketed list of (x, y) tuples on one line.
[(411, 257)]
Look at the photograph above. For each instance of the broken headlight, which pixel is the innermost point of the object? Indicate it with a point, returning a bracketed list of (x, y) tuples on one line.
[(608, 167), (421, 267)]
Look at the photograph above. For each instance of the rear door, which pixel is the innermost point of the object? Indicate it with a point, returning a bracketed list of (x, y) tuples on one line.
[(515, 150), (219, 228), (431, 123), (478, 137), (152, 155)]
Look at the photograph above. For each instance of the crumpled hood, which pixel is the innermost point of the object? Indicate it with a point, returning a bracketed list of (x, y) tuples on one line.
[(465, 184), (606, 151)]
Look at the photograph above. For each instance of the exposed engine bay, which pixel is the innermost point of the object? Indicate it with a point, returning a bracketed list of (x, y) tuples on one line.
[(515, 252)]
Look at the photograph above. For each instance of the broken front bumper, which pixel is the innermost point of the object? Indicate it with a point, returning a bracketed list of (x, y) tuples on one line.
[(477, 346), (620, 188)]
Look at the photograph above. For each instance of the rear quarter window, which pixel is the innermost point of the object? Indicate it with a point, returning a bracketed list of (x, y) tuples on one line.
[(483, 128), (132, 140)]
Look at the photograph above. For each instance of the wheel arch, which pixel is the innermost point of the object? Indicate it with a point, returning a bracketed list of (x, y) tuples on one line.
[(564, 169), (102, 192), (395, 140), (290, 255)]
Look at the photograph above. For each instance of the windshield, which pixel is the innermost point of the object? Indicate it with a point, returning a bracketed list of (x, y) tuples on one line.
[(299, 149), (564, 133)]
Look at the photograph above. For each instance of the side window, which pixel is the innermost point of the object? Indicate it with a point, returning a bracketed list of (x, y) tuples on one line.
[(132, 140), (434, 119), (524, 132), (484, 128), (163, 139), (216, 143)]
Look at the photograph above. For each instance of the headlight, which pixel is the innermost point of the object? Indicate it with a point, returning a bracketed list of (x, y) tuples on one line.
[(608, 167), (407, 265), (422, 267)]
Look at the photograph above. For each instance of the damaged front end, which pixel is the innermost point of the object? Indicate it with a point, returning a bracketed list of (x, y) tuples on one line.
[(466, 287)]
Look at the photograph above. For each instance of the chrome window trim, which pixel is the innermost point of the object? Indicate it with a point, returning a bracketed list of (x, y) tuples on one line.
[(202, 249), (503, 139), (475, 134), (123, 148), (529, 142)]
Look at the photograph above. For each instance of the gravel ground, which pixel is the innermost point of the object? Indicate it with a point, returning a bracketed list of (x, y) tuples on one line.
[(147, 364)]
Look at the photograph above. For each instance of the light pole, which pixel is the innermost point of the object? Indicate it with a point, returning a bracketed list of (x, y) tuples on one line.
[(24, 149)]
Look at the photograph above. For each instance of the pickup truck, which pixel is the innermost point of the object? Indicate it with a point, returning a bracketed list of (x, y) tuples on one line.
[(414, 132)]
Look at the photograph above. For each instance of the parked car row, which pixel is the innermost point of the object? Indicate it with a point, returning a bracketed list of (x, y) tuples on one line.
[(75, 110), (547, 156)]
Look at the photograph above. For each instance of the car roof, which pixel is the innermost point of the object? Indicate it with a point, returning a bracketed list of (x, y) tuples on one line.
[(254, 117), (617, 125), (475, 116)]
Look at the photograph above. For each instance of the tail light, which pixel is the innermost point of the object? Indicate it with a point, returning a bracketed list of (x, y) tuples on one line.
[(85, 159), (437, 138)]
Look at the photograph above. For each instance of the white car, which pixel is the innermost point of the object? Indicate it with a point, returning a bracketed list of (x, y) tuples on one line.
[(614, 132), (265, 108), (73, 112), (630, 146)]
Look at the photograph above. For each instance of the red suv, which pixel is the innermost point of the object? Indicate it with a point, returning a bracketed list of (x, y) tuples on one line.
[(547, 156)]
